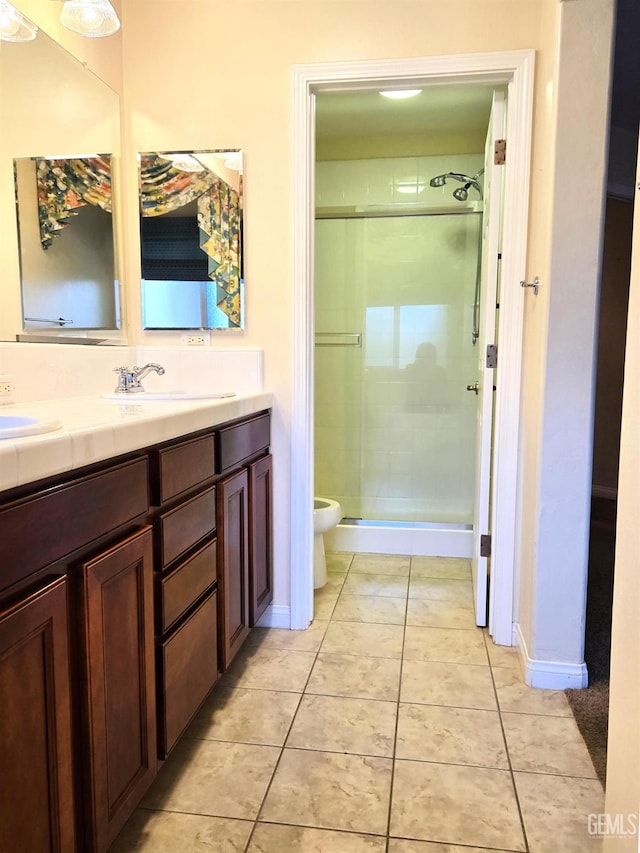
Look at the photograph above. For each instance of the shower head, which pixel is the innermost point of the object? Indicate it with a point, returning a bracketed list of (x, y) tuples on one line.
[(462, 193)]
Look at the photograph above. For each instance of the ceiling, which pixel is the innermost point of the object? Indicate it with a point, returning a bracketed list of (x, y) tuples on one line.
[(437, 110)]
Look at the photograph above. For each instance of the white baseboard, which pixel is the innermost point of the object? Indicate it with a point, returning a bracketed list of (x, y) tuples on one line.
[(275, 616), (548, 674), (413, 541)]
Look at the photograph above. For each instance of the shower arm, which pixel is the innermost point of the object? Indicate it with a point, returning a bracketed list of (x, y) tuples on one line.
[(471, 182)]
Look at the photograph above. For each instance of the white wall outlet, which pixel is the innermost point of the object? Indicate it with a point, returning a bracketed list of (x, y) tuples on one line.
[(7, 389), (196, 340)]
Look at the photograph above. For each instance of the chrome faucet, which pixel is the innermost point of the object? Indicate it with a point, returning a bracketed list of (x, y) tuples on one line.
[(129, 380)]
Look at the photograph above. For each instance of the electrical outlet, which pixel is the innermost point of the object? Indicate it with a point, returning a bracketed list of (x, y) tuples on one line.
[(196, 340), (6, 389)]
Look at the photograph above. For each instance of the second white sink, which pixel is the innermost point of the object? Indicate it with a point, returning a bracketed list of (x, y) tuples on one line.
[(17, 426), (145, 396)]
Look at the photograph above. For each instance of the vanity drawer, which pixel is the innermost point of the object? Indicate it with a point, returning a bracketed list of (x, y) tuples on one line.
[(40, 529), (183, 527), (184, 466), (187, 669), (180, 588), (241, 441)]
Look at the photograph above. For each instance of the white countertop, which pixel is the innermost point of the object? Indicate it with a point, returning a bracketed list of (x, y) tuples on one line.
[(94, 429)]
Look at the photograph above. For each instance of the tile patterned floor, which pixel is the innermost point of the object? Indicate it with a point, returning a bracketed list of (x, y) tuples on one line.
[(392, 725)]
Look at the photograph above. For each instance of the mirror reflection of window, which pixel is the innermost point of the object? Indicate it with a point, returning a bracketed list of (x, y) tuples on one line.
[(191, 240)]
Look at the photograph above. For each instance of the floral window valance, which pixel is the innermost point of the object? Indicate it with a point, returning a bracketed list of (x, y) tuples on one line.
[(164, 188), (64, 185), (219, 220)]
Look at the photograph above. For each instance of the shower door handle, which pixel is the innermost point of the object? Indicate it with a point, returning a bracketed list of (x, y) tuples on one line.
[(475, 388)]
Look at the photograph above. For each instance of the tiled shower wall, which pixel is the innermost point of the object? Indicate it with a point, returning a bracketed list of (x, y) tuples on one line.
[(394, 425), (389, 180)]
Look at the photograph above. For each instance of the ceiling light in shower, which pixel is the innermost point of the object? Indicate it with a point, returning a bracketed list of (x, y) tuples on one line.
[(92, 18), (400, 94), (183, 162), (14, 26), (233, 160)]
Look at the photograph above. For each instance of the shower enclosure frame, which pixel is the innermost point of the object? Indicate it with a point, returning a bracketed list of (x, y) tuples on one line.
[(515, 70)]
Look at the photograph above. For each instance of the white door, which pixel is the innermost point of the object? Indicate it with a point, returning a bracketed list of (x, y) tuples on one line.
[(487, 335)]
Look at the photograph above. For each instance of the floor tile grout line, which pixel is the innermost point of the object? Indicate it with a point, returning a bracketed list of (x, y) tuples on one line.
[(356, 832), (395, 736), (293, 718), (506, 746), (330, 620), (282, 748)]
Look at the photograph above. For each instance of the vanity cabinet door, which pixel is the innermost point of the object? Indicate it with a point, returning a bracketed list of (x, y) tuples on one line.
[(36, 782), (260, 542), (233, 564), (118, 681), (187, 669)]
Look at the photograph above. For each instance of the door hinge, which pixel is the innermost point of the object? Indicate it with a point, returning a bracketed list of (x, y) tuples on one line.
[(492, 355), (500, 152), (485, 545)]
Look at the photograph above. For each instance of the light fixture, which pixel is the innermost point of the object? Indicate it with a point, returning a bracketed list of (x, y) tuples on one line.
[(400, 94), (183, 162), (233, 160), (14, 26), (92, 18)]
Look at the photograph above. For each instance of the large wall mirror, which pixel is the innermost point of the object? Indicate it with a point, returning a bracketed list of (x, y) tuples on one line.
[(191, 239), (61, 129)]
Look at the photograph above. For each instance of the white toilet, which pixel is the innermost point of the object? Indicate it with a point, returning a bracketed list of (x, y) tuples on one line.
[(326, 514)]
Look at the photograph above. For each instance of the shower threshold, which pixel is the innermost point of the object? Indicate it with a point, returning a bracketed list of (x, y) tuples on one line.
[(413, 525)]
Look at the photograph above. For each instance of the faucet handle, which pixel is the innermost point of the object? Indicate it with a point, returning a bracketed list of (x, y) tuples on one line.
[(123, 379)]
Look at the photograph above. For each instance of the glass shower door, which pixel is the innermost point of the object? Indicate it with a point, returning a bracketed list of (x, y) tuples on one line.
[(396, 407)]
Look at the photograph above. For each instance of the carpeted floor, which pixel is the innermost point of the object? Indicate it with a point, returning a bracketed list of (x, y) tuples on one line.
[(591, 706)]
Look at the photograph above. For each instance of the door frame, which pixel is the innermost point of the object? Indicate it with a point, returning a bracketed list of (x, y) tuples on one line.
[(514, 69)]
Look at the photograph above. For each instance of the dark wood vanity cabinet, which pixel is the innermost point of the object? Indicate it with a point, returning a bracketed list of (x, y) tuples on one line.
[(186, 582), (77, 704), (233, 548), (117, 679), (125, 589), (37, 809), (244, 529), (260, 537)]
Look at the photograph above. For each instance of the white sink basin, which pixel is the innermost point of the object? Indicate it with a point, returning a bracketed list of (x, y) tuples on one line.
[(145, 396), (17, 426)]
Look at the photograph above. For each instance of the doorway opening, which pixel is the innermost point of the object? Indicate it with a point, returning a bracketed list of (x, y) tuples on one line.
[(514, 71)]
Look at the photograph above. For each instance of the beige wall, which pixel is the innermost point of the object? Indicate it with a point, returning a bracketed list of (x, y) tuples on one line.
[(182, 95), (623, 756)]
